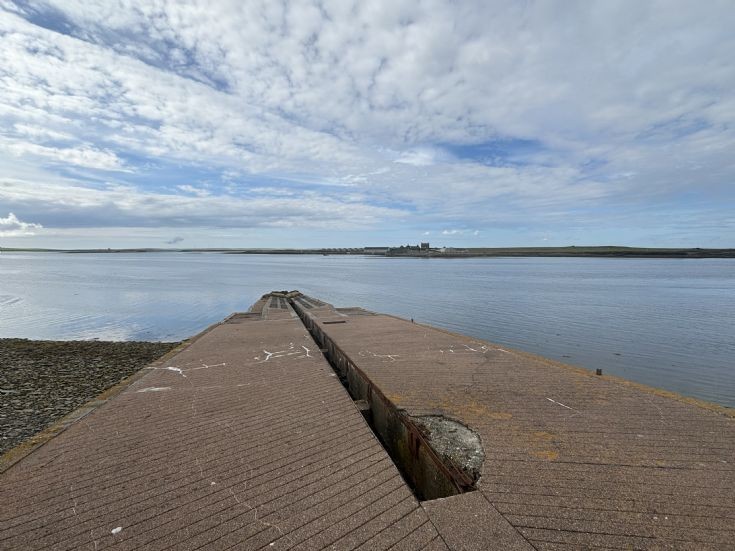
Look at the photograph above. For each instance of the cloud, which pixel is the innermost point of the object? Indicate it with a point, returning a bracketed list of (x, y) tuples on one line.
[(10, 226), (474, 233), (199, 192), (479, 114), (66, 205), (84, 156)]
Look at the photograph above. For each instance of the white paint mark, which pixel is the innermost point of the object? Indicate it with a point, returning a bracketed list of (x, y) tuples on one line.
[(205, 366), (155, 389), (560, 404), (213, 483), (285, 353), (503, 350), (469, 348), (391, 357), (116, 530), (176, 369)]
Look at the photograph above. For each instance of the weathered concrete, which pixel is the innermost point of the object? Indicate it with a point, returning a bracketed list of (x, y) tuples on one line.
[(246, 439), (454, 442), (572, 460)]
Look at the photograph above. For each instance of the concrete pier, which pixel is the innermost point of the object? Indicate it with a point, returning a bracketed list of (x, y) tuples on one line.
[(248, 439)]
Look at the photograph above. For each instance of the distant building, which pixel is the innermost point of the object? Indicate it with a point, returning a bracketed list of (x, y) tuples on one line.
[(424, 245), (375, 250)]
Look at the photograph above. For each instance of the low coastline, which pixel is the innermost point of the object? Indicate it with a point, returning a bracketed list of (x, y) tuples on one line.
[(42, 381), (417, 252)]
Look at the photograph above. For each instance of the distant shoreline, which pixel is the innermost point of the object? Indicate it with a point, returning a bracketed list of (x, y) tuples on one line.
[(409, 252)]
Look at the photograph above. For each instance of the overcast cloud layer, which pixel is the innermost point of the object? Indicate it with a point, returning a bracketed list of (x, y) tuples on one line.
[(231, 123)]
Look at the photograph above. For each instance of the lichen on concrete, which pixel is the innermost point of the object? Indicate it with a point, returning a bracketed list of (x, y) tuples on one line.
[(454, 442)]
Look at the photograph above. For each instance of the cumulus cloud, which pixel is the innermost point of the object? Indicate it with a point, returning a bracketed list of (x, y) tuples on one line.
[(473, 114), (10, 226)]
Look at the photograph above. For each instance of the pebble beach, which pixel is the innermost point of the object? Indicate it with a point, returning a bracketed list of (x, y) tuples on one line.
[(41, 381)]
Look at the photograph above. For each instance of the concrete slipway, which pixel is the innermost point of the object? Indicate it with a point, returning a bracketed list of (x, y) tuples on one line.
[(247, 438)]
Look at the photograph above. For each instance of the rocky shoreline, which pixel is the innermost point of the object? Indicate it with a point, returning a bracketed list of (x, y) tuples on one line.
[(41, 381)]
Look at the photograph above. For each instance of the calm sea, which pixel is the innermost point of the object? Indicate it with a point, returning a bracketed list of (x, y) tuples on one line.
[(668, 323)]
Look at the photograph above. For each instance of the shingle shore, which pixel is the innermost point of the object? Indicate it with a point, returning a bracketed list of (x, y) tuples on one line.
[(41, 381)]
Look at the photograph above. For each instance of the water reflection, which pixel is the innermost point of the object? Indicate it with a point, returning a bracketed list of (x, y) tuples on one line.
[(663, 322)]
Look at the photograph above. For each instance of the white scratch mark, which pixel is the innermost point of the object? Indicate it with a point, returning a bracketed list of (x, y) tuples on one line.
[(205, 366), (391, 357), (560, 404), (469, 348), (154, 389), (116, 530), (285, 353)]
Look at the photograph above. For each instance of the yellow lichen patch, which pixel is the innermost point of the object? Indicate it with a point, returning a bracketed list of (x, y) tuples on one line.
[(543, 435), (500, 415), (548, 455), (467, 409), (395, 398)]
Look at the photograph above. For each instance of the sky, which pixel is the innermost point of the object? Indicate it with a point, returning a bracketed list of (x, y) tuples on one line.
[(219, 123)]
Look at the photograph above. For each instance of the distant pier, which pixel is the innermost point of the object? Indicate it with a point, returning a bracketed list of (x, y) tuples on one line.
[(298, 425)]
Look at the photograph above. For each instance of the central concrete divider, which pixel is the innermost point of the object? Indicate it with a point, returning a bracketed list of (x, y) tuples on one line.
[(429, 475)]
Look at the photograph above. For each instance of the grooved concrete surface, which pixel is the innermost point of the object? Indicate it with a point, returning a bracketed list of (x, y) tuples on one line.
[(244, 440), (573, 461)]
